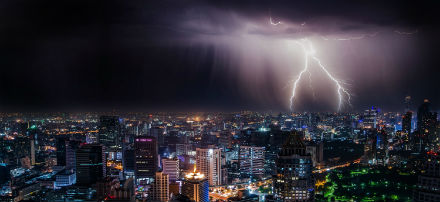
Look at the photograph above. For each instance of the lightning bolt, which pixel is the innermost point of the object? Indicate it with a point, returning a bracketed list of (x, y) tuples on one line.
[(311, 86), (305, 69), (309, 53), (341, 90)]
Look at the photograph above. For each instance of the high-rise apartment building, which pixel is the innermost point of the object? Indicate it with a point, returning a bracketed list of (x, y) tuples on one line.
[(251, 160), (209, 163), (160, 188), (370, 118), (171, 168)]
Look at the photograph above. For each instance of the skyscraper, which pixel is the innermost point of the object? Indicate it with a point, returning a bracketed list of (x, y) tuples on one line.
[(251, 160), (370, 118), (171, 168), (109, 131), (129, 161), (158, 133), (61, 150), (90, 164), (71, 148), (425, 118), (160, 188), (426, 133), (406, 122), (428, 186), (407, 103), (209, 163), (196, 186), (146, 161), (293, 180)]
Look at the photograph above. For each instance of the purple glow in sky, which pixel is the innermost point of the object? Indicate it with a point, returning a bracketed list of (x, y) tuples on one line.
[(216, 55)]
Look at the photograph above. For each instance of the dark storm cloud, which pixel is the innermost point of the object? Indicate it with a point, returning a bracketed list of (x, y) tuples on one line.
[(100, 55)]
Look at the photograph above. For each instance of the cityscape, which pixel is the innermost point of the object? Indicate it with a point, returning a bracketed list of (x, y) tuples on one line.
[(234, 101), (242, 156)]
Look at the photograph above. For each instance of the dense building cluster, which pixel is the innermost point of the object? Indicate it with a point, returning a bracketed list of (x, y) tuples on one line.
[(243, 156)]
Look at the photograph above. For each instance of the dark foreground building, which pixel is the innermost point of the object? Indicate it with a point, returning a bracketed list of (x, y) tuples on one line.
[(428, 185), (146, 162), (293, 180), (90, 164)]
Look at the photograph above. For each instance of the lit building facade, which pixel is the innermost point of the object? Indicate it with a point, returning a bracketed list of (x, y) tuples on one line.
[(251, 160), (171, 168), (209, 163), (109, 131), (160, 190), (293, 180), (370, 118), (196, 187), (146, 161)]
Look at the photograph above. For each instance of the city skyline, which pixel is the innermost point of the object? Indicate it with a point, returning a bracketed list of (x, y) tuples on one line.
[(219, 101)]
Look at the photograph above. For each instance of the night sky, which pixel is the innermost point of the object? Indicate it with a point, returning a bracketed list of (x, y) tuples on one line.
[(186, 55)]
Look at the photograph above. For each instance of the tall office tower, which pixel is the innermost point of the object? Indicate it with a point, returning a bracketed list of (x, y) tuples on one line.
[(158, 133), (160, 190), (129, 161), (426, 120), (61, 150), (90, 164), (171, 168), (426, 135), (293, 180), (209, 163), (370, 118), (407, 103), (428, 186), (406, 122), (196, 186), (109, 131), (251, 161), (146, 162), (71, 147)]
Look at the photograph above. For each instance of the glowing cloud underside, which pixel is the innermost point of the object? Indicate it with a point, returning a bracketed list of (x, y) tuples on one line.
[(274, 23), (309, 53)]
